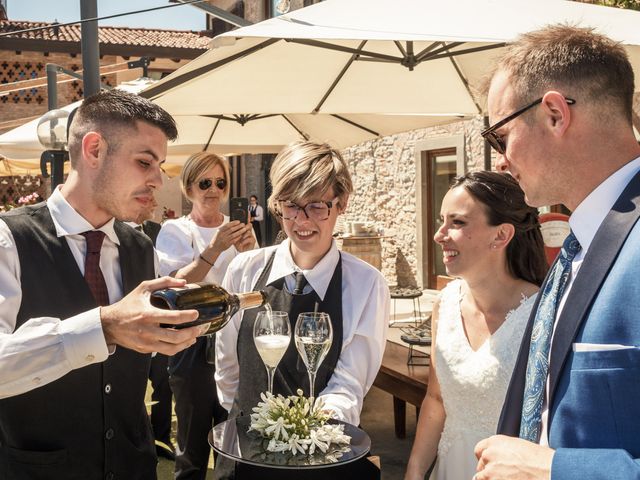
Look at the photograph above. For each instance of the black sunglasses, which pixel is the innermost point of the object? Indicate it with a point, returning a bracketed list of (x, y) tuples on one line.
[(205, 183), (495, 140)]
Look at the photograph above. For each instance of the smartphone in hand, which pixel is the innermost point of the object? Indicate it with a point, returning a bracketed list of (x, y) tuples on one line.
[(239, 209)]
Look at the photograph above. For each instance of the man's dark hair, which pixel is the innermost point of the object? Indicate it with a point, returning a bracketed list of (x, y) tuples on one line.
[(111, 112)]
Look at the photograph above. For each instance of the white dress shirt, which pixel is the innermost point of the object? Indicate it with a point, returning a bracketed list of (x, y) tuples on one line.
[(44, 349), (365, 318), (181, 241), (585, 222)]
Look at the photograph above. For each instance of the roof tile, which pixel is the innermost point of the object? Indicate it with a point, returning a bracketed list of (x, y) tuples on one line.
[(109, 35)]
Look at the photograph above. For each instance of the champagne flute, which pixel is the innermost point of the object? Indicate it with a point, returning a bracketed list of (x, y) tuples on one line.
[(313, 336), (272, 335)]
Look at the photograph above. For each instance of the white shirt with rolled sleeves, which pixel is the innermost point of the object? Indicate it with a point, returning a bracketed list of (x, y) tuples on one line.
[(365, 318), (44, 349)]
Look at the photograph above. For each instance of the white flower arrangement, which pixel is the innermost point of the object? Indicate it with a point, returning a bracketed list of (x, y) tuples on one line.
[(296, 424)]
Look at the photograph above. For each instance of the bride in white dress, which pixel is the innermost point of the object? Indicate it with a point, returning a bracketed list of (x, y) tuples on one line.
[(491, 243)]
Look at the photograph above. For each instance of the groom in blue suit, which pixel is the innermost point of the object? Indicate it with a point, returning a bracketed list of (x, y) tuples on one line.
[(561, 98)]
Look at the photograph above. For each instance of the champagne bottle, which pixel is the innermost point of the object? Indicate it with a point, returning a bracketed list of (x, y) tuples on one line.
[(215, 305)]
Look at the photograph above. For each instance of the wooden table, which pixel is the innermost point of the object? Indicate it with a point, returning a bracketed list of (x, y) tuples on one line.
[(406, 383)]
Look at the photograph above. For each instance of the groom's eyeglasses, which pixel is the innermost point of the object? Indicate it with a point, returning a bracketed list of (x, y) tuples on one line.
[(205, 183), (495, 140)]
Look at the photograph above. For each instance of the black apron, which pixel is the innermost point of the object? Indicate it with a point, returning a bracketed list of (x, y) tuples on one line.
[(290, 375)]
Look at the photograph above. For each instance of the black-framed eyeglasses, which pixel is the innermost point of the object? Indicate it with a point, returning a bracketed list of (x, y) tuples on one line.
[(495, 140), (205, 183), (318, 211)]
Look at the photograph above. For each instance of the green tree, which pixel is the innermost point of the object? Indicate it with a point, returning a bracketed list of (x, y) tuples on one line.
[(631, 4)]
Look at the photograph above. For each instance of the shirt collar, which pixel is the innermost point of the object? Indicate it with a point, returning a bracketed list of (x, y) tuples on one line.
[(68, 221), (589, 215), (318, 277)]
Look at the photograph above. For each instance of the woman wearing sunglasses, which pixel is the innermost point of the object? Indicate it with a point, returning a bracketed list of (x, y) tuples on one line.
[(306, 272), (199, 247)]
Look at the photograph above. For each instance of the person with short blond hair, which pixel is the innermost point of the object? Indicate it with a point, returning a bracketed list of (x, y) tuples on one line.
[(304, 168), (560, 103), (306, 272)]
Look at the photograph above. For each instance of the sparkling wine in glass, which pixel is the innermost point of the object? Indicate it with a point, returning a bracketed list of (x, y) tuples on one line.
[(271, 334), (313, 336)]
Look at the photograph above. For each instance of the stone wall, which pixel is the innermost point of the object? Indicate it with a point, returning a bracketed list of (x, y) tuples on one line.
[(384, 175)]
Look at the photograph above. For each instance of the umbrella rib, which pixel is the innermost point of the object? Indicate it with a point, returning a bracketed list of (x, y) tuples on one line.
[(443, 48), (355, 124), (339, 77), (378, 60), (465, 83), (222, 117), (465, 51), (155, 91), (247, 118), (340, 48), (302, 134), (241, 119), (215, 127), (400, 47), (426, 51), (257, 116)]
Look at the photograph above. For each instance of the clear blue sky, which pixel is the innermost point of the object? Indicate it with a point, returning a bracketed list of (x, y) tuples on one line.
[(184, 17)]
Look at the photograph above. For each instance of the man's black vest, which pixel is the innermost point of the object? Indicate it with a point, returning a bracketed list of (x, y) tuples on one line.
[(91, 423)]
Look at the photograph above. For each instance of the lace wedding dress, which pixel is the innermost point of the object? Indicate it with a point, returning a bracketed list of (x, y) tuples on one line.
[(473, 383)]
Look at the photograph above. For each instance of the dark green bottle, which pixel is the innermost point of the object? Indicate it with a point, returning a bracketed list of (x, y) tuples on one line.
[(215, 305)]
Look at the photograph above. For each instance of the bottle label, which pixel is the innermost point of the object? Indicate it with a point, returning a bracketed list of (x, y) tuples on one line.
[(188, 286)]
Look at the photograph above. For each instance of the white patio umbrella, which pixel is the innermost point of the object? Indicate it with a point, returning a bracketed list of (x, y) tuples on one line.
[(20, 148), (268, 133), (372, 56), (231, 134)]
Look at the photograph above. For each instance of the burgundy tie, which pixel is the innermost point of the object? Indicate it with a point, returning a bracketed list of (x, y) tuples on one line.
[(92, 272)]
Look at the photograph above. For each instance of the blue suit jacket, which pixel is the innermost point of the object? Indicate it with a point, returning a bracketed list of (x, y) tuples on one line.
[(594, 396)]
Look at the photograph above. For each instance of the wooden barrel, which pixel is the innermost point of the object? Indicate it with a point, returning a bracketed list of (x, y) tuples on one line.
[(368, 249)]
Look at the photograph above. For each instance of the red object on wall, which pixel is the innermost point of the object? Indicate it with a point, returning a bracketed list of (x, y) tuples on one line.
[(555, 228)]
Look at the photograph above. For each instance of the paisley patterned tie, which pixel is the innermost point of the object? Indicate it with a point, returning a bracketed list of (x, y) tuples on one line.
[(538, 363)]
